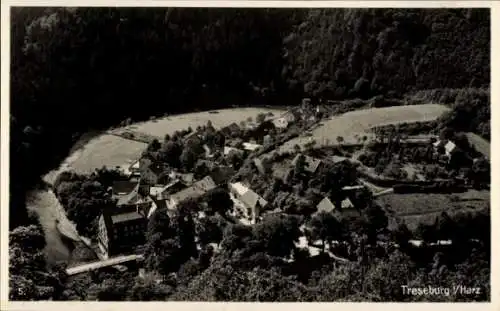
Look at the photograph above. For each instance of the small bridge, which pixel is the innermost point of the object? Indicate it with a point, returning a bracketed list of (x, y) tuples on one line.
[(102, 263)]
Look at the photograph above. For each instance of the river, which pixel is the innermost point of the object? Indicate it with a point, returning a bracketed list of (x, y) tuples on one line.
[(46, 205)]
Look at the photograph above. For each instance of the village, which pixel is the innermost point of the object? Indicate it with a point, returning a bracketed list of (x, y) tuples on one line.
[(241, 160), (236, 154)]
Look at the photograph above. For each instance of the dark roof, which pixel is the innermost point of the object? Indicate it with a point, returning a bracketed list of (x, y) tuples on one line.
[(173, 184), (192, 135), (209, 164), (160, 204), (123, 186), (124, 217), (196, 190), (231, 127), (147, 156), (156, 168), (222, 174)]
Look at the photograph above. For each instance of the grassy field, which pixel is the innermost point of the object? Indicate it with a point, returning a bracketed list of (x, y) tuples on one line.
[(481, 144), (418, 207), (112, 151), (223, 117), (104, 150), (353, 125)]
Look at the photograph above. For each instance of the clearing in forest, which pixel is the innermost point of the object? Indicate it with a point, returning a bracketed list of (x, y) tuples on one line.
[(219, 118)]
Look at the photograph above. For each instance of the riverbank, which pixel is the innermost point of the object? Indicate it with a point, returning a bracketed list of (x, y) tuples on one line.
[(64, 244), (45, 204)]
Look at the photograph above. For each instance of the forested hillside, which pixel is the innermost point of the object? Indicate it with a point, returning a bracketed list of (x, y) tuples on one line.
[(339, 53), (80, 69)]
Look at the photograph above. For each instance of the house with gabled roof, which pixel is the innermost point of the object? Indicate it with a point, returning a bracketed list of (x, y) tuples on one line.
[(122, 187), (195, 191), (250, 199), (163, 192), (230, 129), (311, 164), (134, 169), (193, 138), (159, 204), (130, 198), (289, 116), (154, 173), (326, 205), (346, 204)]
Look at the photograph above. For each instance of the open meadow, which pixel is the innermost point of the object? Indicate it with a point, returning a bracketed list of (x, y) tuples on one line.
[(480, 144), (104, 150), (352, 126), (219, 118)]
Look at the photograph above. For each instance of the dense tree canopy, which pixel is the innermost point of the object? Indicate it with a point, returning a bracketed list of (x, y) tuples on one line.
[(365, 52)]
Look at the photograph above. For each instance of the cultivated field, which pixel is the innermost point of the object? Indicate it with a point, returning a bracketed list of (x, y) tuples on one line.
[(425, 207), (481, 144), (112, 151), (353, 125), (223, 117)]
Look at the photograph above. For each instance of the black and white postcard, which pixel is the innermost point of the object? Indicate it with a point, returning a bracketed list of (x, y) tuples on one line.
[(247, 154)]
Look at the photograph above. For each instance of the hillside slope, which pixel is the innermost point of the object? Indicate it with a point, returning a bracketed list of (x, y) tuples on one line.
[(364, 52)]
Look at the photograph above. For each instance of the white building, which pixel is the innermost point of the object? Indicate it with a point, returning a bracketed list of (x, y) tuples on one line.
[(251, 147), (252, 201), (281, 123)]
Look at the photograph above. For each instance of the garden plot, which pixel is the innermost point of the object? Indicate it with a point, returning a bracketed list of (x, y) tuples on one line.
[(414, 208), (349, 128)]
